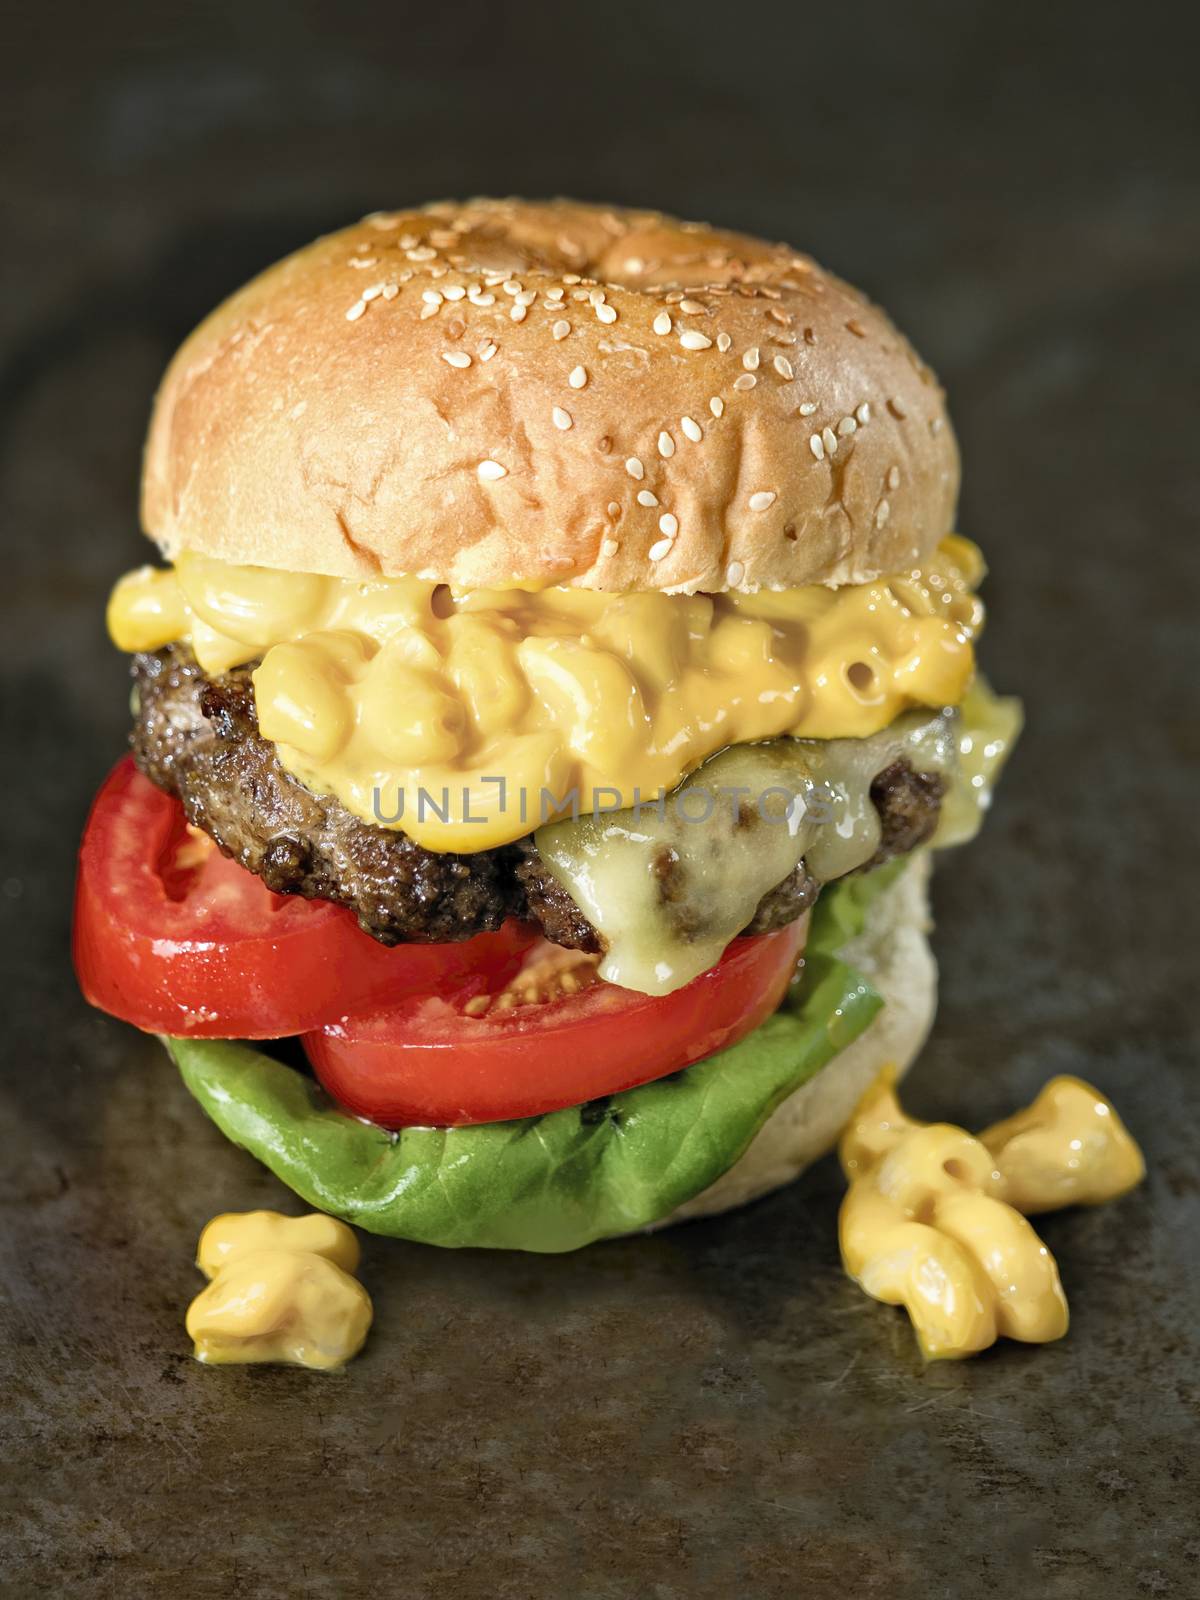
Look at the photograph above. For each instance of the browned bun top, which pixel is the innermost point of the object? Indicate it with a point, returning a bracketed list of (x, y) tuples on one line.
[(501, 391)]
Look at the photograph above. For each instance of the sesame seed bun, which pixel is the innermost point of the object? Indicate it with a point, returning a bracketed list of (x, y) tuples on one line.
[(499, 391)]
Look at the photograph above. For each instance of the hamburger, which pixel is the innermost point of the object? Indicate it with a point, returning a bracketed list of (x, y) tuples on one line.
[(558, 677)]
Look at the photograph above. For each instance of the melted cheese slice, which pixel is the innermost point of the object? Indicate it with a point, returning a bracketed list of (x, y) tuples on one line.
[(669, 885), (467, 720)]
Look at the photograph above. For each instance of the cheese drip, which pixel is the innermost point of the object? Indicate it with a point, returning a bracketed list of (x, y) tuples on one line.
[(461, 718), (746, 819), (668, 885)]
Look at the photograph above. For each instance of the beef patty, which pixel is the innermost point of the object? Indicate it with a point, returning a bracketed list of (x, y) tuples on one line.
[(197, 737)]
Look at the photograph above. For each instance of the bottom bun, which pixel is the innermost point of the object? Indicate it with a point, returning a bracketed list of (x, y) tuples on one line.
[(893, 953)]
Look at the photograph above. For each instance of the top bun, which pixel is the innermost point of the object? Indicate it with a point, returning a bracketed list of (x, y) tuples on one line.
[(500, 392)]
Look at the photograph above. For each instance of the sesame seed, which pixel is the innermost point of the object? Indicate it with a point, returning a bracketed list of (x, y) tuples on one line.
[(857, 329), (555, 294), (432, 297), (518, 312), (734, 573), (356, 311), (716, 405), (571, 277), (897, 410), (692, 308), (783, 367), (511, 286), (490, 470), (668, 523), (750, 359), (454, 291), (659, 549), (390, 291), (487, 351), (577, 377), (847, 425), (746, 381), (421, 253), (864, 412), (815, 445), (429, 311), (882, 512), (723, 342), (893, 478), (666, 445), (692, 429), (829, 440), (634, 468), (526, 297), (662, 323), (609, 547), (561, 418), (561, 329), (761, 499), (646, 497), (596, 297), (606, 313), (807, 409), (691, 340), (480, 299), (372, 293), (614, 508), (362, 261), (456, 358)]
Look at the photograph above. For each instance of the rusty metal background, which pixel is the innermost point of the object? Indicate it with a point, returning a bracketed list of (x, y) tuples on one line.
[(714, 1411)]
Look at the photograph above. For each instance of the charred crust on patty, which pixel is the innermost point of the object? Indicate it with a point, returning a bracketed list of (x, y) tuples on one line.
[(908, 803)]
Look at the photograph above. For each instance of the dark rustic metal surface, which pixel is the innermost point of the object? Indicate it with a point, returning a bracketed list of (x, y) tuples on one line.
[(715, 1411)]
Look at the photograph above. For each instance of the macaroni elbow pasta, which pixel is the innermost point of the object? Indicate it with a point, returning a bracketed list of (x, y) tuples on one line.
[(934, 1218), (388, 691), (281, 1289), (1069, 1148)]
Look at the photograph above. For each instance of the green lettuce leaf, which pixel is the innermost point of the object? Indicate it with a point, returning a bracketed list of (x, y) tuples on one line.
[(559, 1181)]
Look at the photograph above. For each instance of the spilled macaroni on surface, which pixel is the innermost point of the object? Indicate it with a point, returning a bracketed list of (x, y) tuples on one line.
[(281, 1289), (934, 1219)]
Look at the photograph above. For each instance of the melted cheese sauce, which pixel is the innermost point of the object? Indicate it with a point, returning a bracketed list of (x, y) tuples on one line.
[(463, 718), (934, 1220)]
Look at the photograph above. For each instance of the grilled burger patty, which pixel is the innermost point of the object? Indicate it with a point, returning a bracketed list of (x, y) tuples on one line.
[(197, 737)]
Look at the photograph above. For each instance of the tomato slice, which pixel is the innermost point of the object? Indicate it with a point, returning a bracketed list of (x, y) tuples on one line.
[(489, 1053), (172, 936)]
